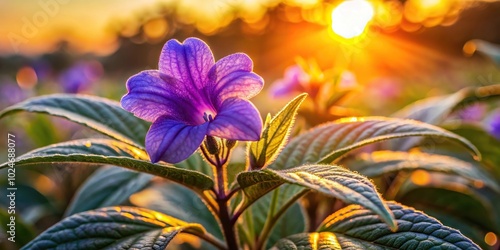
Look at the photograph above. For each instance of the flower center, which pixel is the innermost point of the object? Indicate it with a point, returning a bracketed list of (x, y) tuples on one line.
[(208, 116)]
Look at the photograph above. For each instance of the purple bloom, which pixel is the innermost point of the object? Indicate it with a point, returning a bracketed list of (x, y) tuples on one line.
[(472, 113), (190, 96), (494, 125), (80, 77), (295, 80)]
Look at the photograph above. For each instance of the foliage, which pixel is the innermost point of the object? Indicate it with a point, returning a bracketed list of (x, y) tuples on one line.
[(359, 171)]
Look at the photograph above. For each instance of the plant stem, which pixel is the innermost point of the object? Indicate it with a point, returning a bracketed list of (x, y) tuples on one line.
[(222, 201), (272, 219)]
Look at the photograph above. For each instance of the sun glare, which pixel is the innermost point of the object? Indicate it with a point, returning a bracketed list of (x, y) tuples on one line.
[(350, 18)]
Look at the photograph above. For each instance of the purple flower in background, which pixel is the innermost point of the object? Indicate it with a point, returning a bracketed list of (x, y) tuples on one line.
[(494, 125), (190, 96), (10, 92), (294, 80), (80, 76), (473, 113)]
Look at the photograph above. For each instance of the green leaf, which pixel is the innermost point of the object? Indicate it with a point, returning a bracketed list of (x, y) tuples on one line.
[(113, 228), (275, 135), (309, 241), (359, 228), (334, 181), (488, 145), (435, 110), (111, 152), (108, 186), (379, 163), (455, 195), (331, 141), (103, 115), (179, 202), (293, 221)]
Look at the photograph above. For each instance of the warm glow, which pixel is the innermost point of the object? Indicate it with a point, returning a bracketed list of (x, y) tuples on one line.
[(420, 177), (156, 28), (350, 18), (26, 78), (490, 239)]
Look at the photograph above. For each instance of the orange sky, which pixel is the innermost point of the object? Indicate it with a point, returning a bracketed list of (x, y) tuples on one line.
[(34, 26)]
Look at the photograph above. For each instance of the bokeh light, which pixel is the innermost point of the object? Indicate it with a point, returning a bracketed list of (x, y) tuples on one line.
[(350, 18), (491, 238), (26, 77)]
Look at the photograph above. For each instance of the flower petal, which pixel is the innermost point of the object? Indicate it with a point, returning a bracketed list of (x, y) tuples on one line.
[(234, 78), (150, 96), (237, 119), (189, 62), (173, 141)]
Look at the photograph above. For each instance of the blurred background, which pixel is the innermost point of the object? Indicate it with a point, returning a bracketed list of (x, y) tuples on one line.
[(393, 52)]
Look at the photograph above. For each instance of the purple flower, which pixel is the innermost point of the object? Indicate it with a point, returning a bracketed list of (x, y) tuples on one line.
[(80, 76), (190, 96), (472, 113), (295, 80), (494, 125)]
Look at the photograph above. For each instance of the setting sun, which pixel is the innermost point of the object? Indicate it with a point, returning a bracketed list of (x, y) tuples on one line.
[(350, 18)]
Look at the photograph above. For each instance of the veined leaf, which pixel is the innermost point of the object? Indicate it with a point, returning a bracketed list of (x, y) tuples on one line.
[(309, 241), (103, 115), (488, 145), (383, 162), (275, 135), (179, 202), (111, 152), (455, 195), (334, 181), (331, 141), (435, 110), (113, 228), (108, 186), (359, 228)]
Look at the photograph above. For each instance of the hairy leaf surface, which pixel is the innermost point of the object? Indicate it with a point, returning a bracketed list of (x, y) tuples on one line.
[(113, 228), (108, 186), (111, 152), (334, 181), (359, 228), (103, 115), (275, 135), (309, 241), (331, 141)]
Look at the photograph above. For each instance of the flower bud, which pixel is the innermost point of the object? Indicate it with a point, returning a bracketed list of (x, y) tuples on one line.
[(212, 145), (230, 144)]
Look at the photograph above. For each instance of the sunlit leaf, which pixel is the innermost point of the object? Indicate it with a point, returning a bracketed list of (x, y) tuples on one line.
[(334, 181), (309, 241), (435, 110), (113, 228), (488, 145), (331, 141), (108, 186), (383, 162), (472, 201), (111, 152), (103, 115), (179, 202), (359, 228), (275, 135)]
